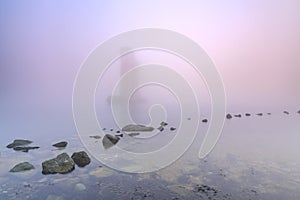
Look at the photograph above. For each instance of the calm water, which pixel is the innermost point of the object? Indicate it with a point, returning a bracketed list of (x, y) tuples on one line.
[(255, 158)]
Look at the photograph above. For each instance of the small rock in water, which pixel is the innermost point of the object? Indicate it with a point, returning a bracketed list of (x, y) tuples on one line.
[(163, 123), (62, 164), (161, 128), (80, 187), (172, 129), (286, 112), (133, 134), (298, 112), (24, 166), (95, 136), (134, 127), (259, 114), (239, 115), (60, 144), (111, 129), (18, 142), (268, 113), (189, 118), (118, 131), (120, 135), (109, 141), (25, 149), (104, 129), (247, 114), (204, 120), (81, 158), (229, 116)]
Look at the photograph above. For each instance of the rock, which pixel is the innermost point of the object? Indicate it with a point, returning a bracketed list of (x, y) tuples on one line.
[(109, 141), (95, 136), (62, 164), (239, 115), (81, 158), (298, 112), (120, 135), (118, 131), (189, 118), (62, 144), (134, 127), (268, 113), (163, 123), (133, 134), (18, 142), (172, 129), (204, 120), (24, 166), (247, 114), (229, 116), (259, 114), (161, 128), (25, 149), (111, 129), (80, 187), (286, 112)]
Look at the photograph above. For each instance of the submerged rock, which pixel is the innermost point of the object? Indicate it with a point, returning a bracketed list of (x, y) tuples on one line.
[(163, 123), (133, 134), (247, 114), (25, 149), (24, 166), (229, 116), (62, 144), (18, 142), (81, 158), (161, 128), (95, 136), (109, 141), (239, 115), (136, 127), (269, 113), (298, 112), (259, 114), (286, 112), (62, 164)]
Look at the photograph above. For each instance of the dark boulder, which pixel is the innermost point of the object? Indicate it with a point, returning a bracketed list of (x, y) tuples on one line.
[(81, 158), (18, 142), (229, 116), (62, 144), (109, 141)]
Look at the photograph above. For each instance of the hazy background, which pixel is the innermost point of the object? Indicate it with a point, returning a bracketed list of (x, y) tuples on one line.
[(254, 44)]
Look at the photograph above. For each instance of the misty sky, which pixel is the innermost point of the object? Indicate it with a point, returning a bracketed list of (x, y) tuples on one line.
[(254, 44)]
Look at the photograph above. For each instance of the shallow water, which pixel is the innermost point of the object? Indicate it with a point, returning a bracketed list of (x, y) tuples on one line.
[(255, 158)]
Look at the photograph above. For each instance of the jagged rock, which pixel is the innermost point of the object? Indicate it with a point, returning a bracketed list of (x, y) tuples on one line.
[(109, 141), (163, 123), (62, 144), (81, 158), (18, 142), (24, 166), (62, 164), (25, 149), (229, 116), (136, 127)]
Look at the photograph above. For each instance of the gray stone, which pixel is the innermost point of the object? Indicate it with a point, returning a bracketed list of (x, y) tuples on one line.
[(24, 166), (133, 134), (229, 116), (81, 158), (163, 123), (172, 129), (62, 164), (161, 128), (109, 141), (298, 112), (25, 149), (62, 144), (18, 142), (95, 136), (136, 127)]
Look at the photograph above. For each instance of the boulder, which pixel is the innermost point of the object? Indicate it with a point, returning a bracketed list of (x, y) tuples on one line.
[(24, 166), (18, 142), (109, 141), (62, 144), (62, 164), (136, 128), (81, 158)]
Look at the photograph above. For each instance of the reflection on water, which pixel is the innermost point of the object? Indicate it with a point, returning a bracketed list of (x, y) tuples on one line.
[(256, 158)]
